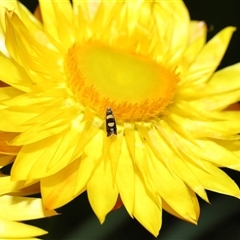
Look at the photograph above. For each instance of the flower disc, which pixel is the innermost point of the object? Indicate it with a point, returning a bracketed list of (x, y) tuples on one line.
[(134, 86)]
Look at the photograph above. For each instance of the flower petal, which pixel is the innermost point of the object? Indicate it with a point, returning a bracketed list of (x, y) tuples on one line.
[(102, 192), (50, 18), (6, 185), (64, 20), (16, 230), (197, 41), (15, 29), (72, 179), (14, 75), (198, 29), (224, 80), (216, 180), (33, 188), (125, 179), (22, 208), (13, 120), (177, 193), (178, 165), (5, 160), (29, 20), (8, 92), (167, 208), (209, 58), (217, 154), (114, 151), (146, 211), (221, 91), (63, 181), (173, 21), (5, 137), (221, 129)]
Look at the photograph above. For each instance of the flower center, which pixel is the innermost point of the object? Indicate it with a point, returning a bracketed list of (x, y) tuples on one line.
[(133, 86)]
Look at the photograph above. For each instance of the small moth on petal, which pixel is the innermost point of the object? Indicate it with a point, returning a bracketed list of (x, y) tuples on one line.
[(110, 123)]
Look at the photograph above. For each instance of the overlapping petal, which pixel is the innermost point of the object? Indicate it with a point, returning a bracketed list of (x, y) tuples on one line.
[(15, 208)]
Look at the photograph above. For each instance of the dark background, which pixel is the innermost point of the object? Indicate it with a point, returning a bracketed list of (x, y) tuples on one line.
[(218, 221)]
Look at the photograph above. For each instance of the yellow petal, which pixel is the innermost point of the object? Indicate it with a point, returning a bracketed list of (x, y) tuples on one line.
[(5, 160), (89, 160), (213, 129), (82, 20), (64, 16), (72, 180), (114, 151), (178, 196), (15, 29), (17, 230), (217, 102), (213, 152), (22, 208), (3, 50), (29, 20), (64, 181), (102, 192), (14, 75), (217, 154), (13, 120), (6, 185), (5, 137), (173, 28), (50, 18), (33, 188), (224, 80), (177, 160), (209, 58), (104, 13), (221, 91), (125, 179), (158, 162), (142, 167), (198, 29), (10, 5), (146, 211), (43, 160), (197, 41), (49, 121), (57, 25), (216, 180), (181, 133), (34, 153), (167, 208), (9, 92), (129, 131)]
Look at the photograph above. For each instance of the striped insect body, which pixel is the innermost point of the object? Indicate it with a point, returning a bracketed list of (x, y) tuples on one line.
[(111, 126)]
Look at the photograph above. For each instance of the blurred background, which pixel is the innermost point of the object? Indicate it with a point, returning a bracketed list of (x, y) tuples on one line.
[(218, 221)]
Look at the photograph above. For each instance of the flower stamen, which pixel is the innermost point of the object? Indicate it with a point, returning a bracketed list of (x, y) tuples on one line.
[(134, 86)]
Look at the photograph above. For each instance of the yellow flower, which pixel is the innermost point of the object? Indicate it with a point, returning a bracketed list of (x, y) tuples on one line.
[(152, 66)]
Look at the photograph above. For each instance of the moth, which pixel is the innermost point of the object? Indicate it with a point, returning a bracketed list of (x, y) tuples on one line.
[(111, 126)]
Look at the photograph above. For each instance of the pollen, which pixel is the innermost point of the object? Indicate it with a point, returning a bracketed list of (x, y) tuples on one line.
[(134, 86)]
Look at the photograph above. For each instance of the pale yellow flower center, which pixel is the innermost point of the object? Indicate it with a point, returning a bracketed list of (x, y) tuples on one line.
[(133, 86)]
